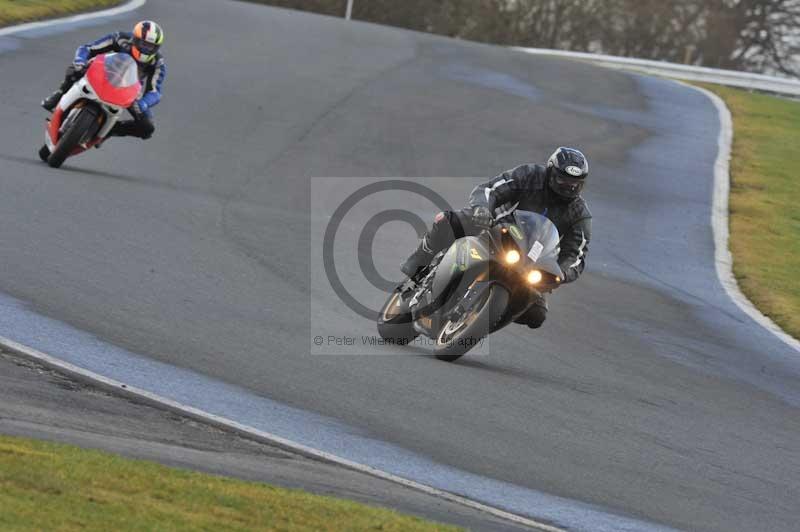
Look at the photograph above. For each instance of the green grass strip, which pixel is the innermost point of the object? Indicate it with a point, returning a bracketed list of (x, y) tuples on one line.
[(18, 11), (48, 486), (765, 202)]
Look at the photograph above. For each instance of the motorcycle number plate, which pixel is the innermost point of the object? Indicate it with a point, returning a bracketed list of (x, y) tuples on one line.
[(536, 251)]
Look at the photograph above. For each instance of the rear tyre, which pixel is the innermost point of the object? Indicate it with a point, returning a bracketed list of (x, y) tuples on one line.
[(71, 137), (395, 323), (456, 338), (44, 153)]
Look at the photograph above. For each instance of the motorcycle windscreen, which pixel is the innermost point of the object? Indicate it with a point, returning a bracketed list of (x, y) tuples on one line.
[(538, 237), (115, 79)]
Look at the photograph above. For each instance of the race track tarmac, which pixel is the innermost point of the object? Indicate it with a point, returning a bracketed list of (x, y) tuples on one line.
[(647, 393)]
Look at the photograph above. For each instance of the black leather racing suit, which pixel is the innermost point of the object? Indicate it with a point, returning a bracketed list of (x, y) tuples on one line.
[(524, 187)]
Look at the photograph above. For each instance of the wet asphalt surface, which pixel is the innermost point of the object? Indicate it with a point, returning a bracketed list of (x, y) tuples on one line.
[(646, 392)]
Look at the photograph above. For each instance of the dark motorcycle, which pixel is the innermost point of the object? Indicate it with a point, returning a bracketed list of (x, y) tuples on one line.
[(476, 287)]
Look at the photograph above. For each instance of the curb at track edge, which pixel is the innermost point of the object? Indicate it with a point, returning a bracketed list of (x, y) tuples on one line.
[(723, 259), (163, 403)]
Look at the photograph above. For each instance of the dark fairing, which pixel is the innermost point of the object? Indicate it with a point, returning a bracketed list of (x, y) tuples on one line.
[(538, 238)]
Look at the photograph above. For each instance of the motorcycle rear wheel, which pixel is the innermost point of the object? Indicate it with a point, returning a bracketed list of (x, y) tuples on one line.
[(456, 338), (71, 137), (395, 323)]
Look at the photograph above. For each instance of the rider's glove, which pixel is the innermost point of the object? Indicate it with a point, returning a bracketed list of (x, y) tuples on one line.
[(75, 70), (482, 217), (140, 107)]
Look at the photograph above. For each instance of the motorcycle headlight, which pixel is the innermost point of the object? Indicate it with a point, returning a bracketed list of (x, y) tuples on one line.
[(512, 257), (534, 276)]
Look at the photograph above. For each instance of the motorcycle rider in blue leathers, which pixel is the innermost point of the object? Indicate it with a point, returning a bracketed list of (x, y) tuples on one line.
[(143, 45)]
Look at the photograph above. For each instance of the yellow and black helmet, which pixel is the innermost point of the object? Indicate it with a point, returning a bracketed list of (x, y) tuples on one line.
[(147, 39)]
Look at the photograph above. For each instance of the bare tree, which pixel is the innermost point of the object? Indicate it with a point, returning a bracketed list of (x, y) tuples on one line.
[(767, 35), (757, 35)]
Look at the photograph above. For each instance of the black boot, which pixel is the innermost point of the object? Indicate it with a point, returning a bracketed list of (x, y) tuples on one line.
[(446, 228), (142, 128), (536, 313), (51, 101), (123, 128), (417, 261)]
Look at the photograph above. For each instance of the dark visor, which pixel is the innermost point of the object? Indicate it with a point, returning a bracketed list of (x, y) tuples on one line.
[(567, 185), (563, 180), (145, 47)]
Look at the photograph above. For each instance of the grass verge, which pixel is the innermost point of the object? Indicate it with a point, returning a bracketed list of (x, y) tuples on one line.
[(48, 486), (17, 11), (765, 202)]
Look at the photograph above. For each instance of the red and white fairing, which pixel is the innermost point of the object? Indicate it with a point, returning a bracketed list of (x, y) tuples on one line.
[(112, 80)]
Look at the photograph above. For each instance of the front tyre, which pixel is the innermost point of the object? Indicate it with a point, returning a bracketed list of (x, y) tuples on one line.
[(44, 153), (71, 137), (456, 338), (395, 323)]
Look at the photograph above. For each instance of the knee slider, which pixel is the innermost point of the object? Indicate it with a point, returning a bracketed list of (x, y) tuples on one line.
[(147, 130), (443, 230), (443, 216), (535, 316)]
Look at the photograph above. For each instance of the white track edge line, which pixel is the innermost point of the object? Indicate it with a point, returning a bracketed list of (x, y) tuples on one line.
[(720, 219), (723, 260), (118, 387), (118, 10)]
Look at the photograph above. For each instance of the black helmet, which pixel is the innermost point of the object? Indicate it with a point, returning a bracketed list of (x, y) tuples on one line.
[(567, 169)]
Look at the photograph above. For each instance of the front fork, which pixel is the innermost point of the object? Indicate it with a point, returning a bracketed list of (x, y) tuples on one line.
[(474, 293), (518, 303), (79, 90), (415, 290)]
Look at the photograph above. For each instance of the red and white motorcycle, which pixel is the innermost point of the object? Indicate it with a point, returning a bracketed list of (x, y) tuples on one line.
[(90, 108)]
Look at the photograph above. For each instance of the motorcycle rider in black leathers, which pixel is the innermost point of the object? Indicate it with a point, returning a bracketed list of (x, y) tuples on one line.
[(552, 190), (143, 44)]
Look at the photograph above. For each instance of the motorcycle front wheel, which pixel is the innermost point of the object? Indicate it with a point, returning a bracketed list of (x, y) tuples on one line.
[(457, 337), (395, 322), (71, 137)]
